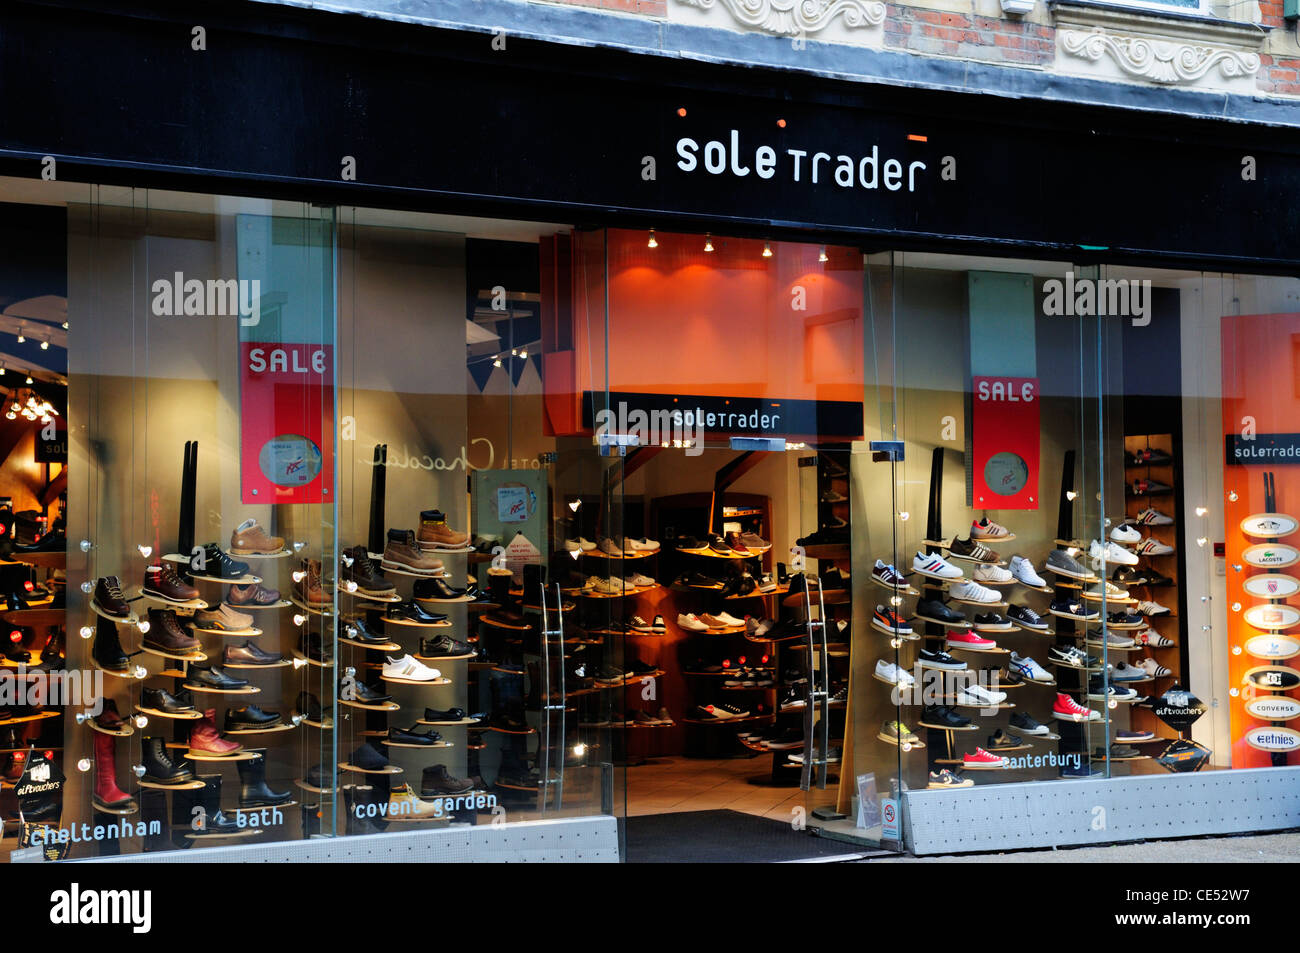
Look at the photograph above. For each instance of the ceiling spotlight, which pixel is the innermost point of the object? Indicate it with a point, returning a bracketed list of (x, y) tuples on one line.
[(496, 362), (653, 242), (1070, 495), (45, 345), (767, 249), (708, 241), (65, 325), (21, 339), (523, 355), (822, 255), (29, 378)]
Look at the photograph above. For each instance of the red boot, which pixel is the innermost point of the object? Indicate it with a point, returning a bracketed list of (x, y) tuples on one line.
[(205, 737), (108, 796)]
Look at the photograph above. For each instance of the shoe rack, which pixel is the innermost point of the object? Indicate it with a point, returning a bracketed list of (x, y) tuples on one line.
[(1173, 657)]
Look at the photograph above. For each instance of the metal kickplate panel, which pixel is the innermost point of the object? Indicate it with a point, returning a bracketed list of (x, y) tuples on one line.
[(990, 817)]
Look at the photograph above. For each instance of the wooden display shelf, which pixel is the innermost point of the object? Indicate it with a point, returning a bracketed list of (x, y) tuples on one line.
[(35, 617), (273, 729), (209, 758), (982, 605), (326, 611), (526, 627), (174, 656), (1025, 628), (1025, 585), (963, 625), (249, 607), (996, 650), (183, 786), (194, 604), (1073, 618), (380, 706), (445, 624), (119, 672), (176, 716), (444, 602), (372, 646), (370, 597), (411, 574), (327, 725), (387, 769), (971, 727), (636, 591), (279, 663), (251, 632), (404, 744), (129, 619), (440, 680), (55, 559), (311, 787), (122, 733), (1003, 683), (725, 721), (246, 690), (1070, 581), (311, 661), (200, 836), (951, 702), (463, 721), (756, 594), (134, 808)]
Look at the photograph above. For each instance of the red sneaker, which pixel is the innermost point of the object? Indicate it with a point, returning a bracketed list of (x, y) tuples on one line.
[(1067, 709), (970, 640), (982, 759)]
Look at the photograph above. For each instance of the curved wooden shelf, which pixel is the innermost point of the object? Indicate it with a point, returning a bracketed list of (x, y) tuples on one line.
[(370, 597), (251, 632), (51, 559), (327, 725), (1024, 628), (446, 624), (208, 758), (1073, 618), (981, 605), (381, 706), (311, 661), (403, 744), (249, 607), (195, 604), (412, 574), (441, 658), (246, 690), (311, 787), (177, 716), (199, 836), (327, 611), (281, 663), (129, 619), (440, 680), (388, 769), (963, 625), (183, 786), (36, 617), (273, 729), (526, 627), (373, 646), (127, 732), (725, 721), (115, 811), (996, 650), (463, 721), (193, 657), (971, 727)]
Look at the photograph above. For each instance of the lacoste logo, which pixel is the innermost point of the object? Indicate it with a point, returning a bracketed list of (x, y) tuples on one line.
[(105, 907)]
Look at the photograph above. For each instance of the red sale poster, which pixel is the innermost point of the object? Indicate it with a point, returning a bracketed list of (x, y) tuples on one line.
[(286, 422), (1004, 434)]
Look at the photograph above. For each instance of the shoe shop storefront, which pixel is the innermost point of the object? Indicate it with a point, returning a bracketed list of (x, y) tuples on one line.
[(601, 464)]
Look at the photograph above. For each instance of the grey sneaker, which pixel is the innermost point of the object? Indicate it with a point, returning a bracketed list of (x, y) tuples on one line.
[(1058, 560)]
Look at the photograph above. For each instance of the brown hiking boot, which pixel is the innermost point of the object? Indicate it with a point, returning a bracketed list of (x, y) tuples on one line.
[(401, 553), (166, 635), (249, 539), (161, 580), (436, 534), (309, 589)]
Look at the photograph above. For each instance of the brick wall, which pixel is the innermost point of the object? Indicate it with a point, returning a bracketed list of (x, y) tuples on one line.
[(968, 35), (650, 8)]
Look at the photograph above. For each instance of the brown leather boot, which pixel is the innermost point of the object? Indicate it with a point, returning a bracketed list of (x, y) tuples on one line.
[(249, 539), (436, 534), (310, 589), (403, 554)]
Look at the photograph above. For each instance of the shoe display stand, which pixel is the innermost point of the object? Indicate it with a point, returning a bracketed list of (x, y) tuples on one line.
[(1172, 657)]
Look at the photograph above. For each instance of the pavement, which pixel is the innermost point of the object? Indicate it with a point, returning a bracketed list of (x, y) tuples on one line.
[(1281, 848)]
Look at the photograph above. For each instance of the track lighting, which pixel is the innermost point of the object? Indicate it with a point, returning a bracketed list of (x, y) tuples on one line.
[(822, 254), (708, 241), (767, 249), (653, 242)]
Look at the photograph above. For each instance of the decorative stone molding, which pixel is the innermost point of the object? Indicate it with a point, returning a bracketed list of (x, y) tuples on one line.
[(1171, 49), (1158, 60), (797, 17)]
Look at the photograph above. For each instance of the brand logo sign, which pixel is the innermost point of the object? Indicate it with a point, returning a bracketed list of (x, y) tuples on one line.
[(1277, 678), (1273, 739), (1273, 616), (1257, 448), (1269, 525), (1272, 585), (1273, 708), (1108, 297), (1183, 756), (1271, 554), (1272, 646)]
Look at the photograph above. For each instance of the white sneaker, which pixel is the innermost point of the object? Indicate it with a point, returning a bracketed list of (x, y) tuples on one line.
[(1023, 570), (1153, 608), (639, 581), (1153, 668), (934, 566), (973, 592), (691, 622), (974, 694), (894, 674), (1106, 590), (1153, 639), (1112, 553), (1153, 547), (409, 669), (579, 545), (991, 573), (1126, 533), (1153, 517), (613, 586), (641, 545), (1029, 669), (728, 619)]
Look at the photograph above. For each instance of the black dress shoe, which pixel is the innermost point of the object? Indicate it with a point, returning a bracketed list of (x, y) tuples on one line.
[(409, 736), (309, 706), (369, 758), (938, 611), (941, 716), (413, 613), (358, 630), (15, 602), (444, 646), (170, 704), (212, 677), (437, 590), (444, 714), (366, 695), (216, 563), (249, 717)]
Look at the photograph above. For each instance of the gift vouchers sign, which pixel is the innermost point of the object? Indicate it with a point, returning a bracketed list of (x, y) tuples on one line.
[(1179, 709)]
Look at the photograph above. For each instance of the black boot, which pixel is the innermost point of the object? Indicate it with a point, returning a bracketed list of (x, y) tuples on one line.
[(153, 812), (217, 822), (158, 765), (253, 791), (356, 798), (107, 650)]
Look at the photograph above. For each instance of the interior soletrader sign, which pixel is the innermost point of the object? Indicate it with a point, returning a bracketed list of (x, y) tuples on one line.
[(700, 416)]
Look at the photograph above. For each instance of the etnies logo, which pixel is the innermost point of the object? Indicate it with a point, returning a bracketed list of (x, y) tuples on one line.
[(77, 907)]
